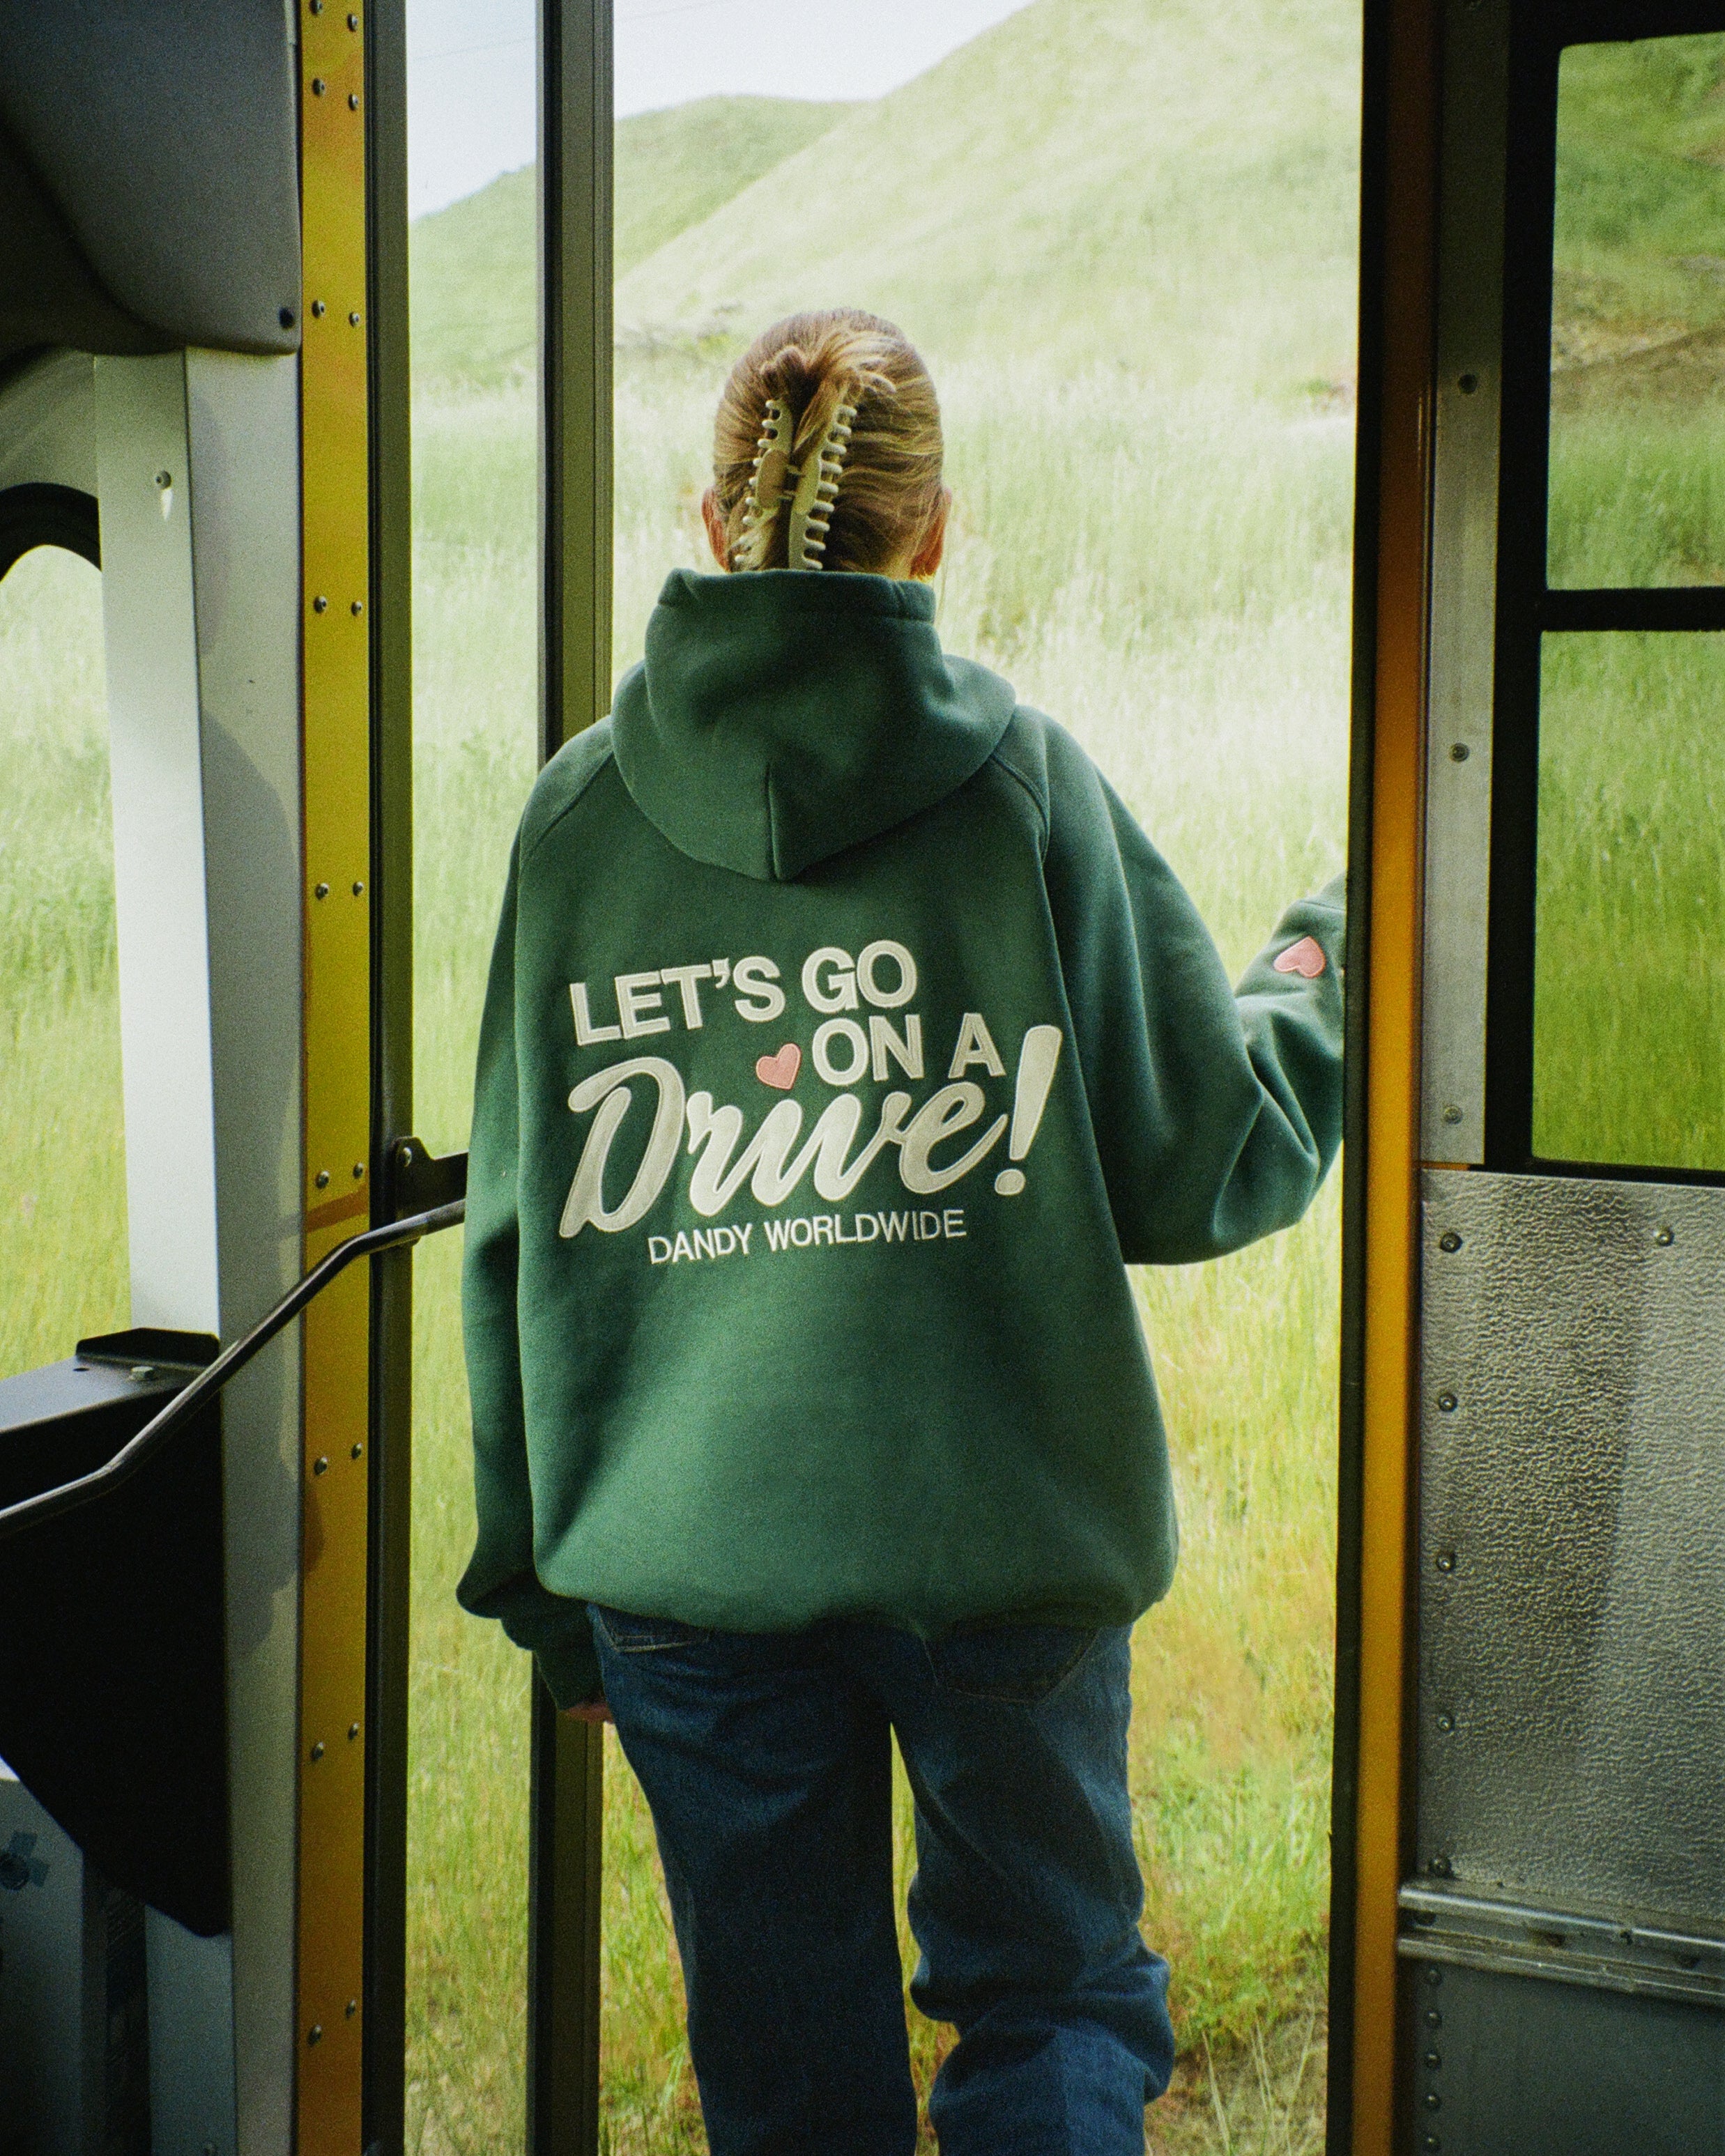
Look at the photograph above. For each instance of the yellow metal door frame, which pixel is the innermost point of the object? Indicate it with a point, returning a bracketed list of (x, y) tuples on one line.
[(335, 674), (1392, 582)]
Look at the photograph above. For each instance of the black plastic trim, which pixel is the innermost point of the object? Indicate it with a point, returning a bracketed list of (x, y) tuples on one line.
[(383, 2090), (43, 515), (575, 155)]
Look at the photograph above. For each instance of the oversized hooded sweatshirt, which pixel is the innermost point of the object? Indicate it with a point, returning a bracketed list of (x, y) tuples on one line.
[(845, 1039)]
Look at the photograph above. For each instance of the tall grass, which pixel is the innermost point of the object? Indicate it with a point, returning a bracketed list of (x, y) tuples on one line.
[(1637, 482), (62, 1265), (1629, 984)]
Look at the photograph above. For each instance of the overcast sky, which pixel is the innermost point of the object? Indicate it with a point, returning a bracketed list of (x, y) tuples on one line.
[(470, 113)]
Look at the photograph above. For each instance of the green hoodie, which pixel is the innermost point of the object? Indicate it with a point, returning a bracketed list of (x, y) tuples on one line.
[(844, 1040)]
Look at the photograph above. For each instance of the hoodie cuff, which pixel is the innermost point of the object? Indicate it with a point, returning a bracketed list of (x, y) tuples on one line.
[(570, 1667)]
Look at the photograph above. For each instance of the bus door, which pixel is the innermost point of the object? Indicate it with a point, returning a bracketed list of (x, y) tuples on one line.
[(1530, 1809)]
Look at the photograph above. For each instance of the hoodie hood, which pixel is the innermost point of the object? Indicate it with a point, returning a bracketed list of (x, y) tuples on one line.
[(782, 716)]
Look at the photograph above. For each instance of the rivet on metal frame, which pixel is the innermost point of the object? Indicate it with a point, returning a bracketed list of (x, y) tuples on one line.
[(1449, 1241)]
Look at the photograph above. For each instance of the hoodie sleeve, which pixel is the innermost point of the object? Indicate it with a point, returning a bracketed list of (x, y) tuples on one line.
[(1216, 1111), (501, 1581)]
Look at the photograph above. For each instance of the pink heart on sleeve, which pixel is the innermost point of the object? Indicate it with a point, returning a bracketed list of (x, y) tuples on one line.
[(1306, 958)]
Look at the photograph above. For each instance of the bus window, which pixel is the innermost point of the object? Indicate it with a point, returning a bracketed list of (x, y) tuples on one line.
[(1141, 325), (1629, 986), (471, 143), (1637, 475), (63, 1242), (1627, 992)]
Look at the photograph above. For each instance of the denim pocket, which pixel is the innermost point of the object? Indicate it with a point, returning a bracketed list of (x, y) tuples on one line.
[(1021, 1664), (629, 1634)]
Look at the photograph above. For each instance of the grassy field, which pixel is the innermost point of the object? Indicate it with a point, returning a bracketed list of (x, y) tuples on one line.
[(1638, 315)]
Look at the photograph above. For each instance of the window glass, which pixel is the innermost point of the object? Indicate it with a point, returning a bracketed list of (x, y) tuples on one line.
[(1629, 979), (62, 1248), (471, 142), (1637, 481), (1139, 314)]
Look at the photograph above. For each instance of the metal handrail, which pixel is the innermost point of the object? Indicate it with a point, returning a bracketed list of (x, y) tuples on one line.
[(137, 1451)]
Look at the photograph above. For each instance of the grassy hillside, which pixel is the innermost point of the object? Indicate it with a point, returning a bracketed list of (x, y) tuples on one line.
[(474, 311), (1638, 314), (1095, 180), (1640, 240)]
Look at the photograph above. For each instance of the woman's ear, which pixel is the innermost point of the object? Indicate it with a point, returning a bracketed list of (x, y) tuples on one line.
[(927, 558), (715, 524)]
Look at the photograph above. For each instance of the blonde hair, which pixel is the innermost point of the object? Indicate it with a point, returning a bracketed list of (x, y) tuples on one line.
[(841, 402)]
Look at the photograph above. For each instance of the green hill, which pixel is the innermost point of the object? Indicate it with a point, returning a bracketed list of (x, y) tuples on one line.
[(1143, 181), (1639, 267), (474, 314)]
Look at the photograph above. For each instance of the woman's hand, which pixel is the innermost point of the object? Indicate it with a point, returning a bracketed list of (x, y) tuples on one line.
[(590, 1710)]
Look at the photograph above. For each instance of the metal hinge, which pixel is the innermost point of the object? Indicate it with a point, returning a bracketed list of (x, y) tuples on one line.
[(420, 1179), (1629, 1953)]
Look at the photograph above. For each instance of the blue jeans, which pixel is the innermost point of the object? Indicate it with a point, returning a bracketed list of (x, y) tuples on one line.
[(766, 1759)]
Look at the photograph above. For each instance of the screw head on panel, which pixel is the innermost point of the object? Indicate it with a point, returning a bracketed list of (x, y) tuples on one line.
[(357, 608), (359, 1171), (353, 21), (1446, 1403), (1433, 2061), (1446, 1722), (317, 1751), (320, 604), (1449, 1241), (353, 320), (356, 1452), (1434, 2020), (351, 2008), (320, 1465), (1468, 383), (1439, 1867), (322, 890), (1452, 1114), (1446, 1560), (314, 2034), (322, 1179), (1458, 752), (318, 85), (359, 889), (353, 101), (1433, 1977), (1664, 1237), (1433, 2101), (353, 1730), (318, 308)]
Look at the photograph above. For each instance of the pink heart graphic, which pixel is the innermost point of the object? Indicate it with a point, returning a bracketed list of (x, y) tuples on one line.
[(780, 1072), (1306, 958)]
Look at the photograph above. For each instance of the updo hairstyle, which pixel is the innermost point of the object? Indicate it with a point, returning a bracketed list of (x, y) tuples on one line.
[(815, 366)]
